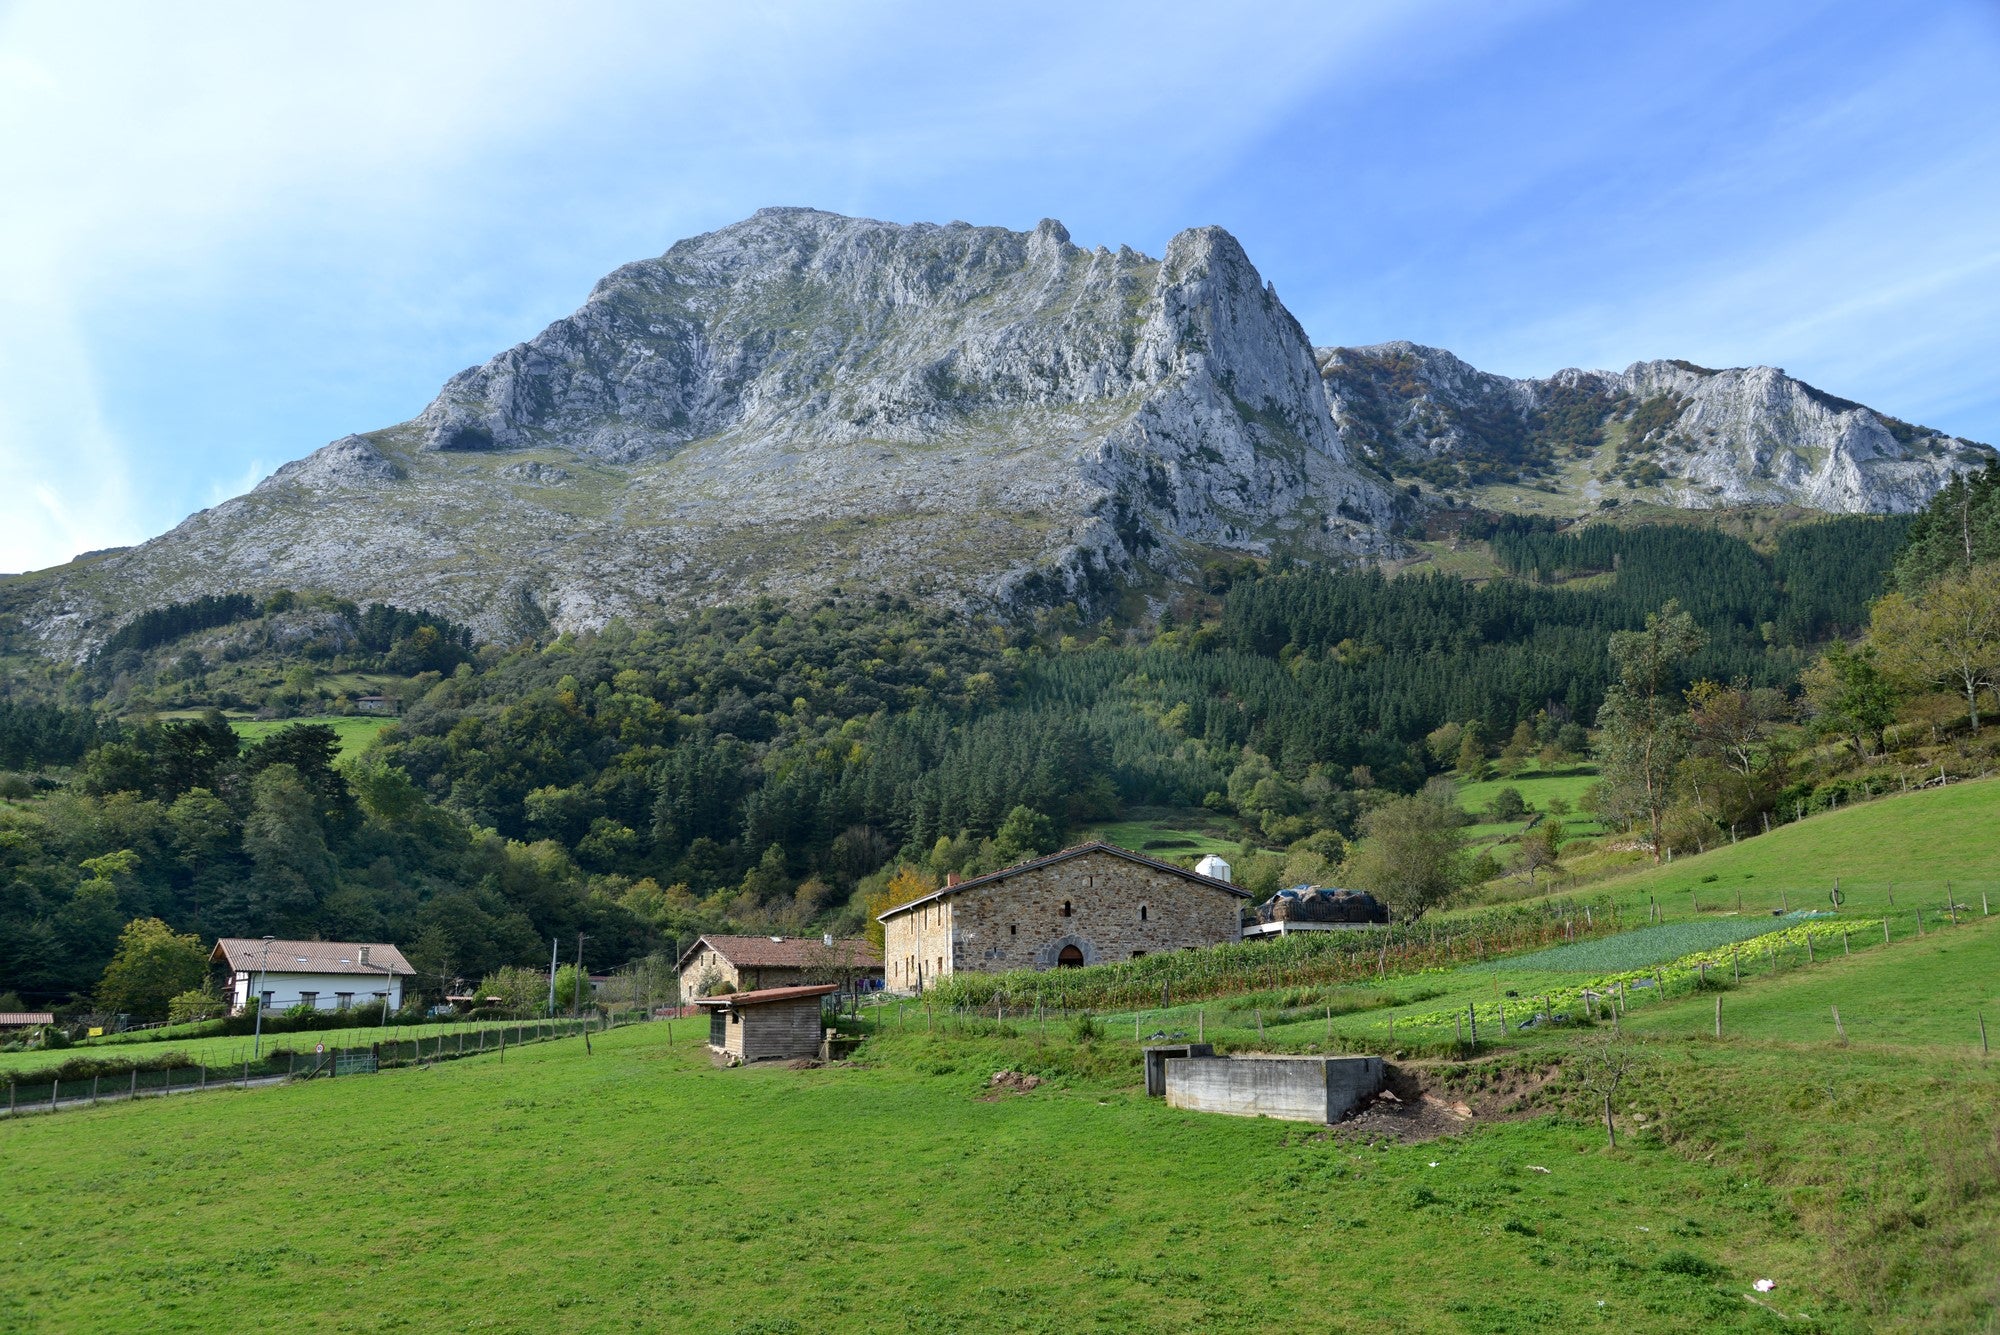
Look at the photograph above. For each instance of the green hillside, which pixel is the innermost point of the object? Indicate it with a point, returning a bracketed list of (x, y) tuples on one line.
[(1903, 848)]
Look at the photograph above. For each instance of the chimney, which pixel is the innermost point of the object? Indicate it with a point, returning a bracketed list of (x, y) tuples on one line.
[(950, 879), (364, 954)]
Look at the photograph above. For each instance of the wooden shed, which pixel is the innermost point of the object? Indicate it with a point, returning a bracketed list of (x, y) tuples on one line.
[(767, 1025)]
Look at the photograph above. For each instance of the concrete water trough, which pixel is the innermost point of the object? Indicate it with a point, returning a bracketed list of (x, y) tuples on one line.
[(1295, 1089), (1156, 1063)]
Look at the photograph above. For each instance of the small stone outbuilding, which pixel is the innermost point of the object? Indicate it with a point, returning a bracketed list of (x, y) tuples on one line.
[(747, 963), (773, 1024), (1088, 905)]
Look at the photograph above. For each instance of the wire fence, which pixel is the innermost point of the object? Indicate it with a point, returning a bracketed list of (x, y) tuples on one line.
[(85, 1083)]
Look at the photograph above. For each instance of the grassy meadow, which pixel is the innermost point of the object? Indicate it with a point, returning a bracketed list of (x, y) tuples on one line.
[(1893, 854), (356, 731), (225, 1049), (641, 1188)]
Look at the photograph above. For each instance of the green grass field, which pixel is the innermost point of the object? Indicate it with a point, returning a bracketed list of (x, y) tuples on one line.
[(225, 1049), (639, 1188), (1168, 837), (1536, 788), (1894, 854), (356, 731)]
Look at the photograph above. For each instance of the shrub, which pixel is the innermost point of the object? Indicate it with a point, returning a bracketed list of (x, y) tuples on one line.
[(1687, 1263), (1085, 1028)]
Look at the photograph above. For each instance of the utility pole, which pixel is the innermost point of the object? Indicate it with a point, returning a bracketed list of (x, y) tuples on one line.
[(263, 966), (552, 977), (576, 993)]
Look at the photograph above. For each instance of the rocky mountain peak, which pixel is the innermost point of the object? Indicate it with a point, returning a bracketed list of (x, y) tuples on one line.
[(801, 401)]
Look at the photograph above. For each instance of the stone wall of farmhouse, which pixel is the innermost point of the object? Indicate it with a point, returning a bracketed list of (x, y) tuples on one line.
[(1116, 910)]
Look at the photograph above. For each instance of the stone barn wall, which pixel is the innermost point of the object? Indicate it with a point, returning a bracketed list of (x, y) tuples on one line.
[(1104, 906)]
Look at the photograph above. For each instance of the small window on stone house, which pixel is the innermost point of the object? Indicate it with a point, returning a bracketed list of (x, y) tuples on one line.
[(1142, 913), (1065, 908), (1012, 929), (1137, 953)]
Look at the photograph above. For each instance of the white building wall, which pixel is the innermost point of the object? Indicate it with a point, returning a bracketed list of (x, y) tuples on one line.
[(288, 989)]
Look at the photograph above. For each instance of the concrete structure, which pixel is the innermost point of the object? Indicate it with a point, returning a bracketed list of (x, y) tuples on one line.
[(1087, 905), (1294, 1089), (1156, 1063), (1214, 868), (326, 975), (768, 1025), (746, 963)]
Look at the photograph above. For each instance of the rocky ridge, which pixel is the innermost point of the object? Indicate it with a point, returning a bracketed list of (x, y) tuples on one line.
[(802, 403), (1670, 431)]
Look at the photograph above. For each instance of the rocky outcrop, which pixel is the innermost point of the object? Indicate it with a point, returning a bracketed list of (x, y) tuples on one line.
[(1667, 431), (805, 402)]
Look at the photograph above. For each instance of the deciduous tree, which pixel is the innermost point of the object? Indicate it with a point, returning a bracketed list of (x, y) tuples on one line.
[(152, 967)]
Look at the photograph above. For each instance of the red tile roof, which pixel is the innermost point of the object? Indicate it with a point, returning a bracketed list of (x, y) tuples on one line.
[(990, 877), (14, 1019), (247, 955), (788, 952), (764, 996)]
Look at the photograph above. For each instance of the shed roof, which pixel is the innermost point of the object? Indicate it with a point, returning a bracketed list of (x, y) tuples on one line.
[(14, 1018), (787, 952), (1080, 850), (767, 995), (248, 954)]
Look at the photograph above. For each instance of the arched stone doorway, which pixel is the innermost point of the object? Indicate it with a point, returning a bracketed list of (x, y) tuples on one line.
[(1069, 957)]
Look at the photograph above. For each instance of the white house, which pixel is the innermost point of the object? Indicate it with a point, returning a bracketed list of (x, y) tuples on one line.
[(326, 975)]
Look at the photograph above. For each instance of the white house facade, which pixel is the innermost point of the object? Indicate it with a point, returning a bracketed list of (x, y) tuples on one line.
[(325, 975)]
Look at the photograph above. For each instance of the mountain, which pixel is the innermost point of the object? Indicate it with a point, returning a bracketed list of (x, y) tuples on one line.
[(802, 403), (1663, 431)]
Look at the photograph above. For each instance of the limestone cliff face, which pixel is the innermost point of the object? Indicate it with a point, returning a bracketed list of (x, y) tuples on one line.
[(803, 402), (1666, 431)]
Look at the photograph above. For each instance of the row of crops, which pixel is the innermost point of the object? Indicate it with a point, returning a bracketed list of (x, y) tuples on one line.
[(1604, 994), (1647, 945)]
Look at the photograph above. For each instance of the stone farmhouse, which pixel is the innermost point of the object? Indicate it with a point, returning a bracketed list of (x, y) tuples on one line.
[(325, 975), (747, 963), (1087, 905)]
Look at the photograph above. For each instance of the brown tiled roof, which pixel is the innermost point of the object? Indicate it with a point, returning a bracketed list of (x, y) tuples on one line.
[(990, 877), (12, 1018), (764, 996), (788, 952), (247, 954)]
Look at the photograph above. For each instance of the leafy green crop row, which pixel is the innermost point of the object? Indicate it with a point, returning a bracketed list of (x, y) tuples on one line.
[(1646, 945), (1688, 970)]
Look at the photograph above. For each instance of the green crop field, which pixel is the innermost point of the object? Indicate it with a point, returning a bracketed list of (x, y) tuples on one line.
[(1930, 992), (356, 731), (1646, 945)]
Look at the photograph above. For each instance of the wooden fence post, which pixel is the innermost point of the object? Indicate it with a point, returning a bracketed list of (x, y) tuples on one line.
[(1885, 930), (1718, 1017), (1982, 1033), (1838, 1027)]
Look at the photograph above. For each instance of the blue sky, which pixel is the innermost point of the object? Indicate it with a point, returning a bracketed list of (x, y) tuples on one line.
[(229, 234)]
